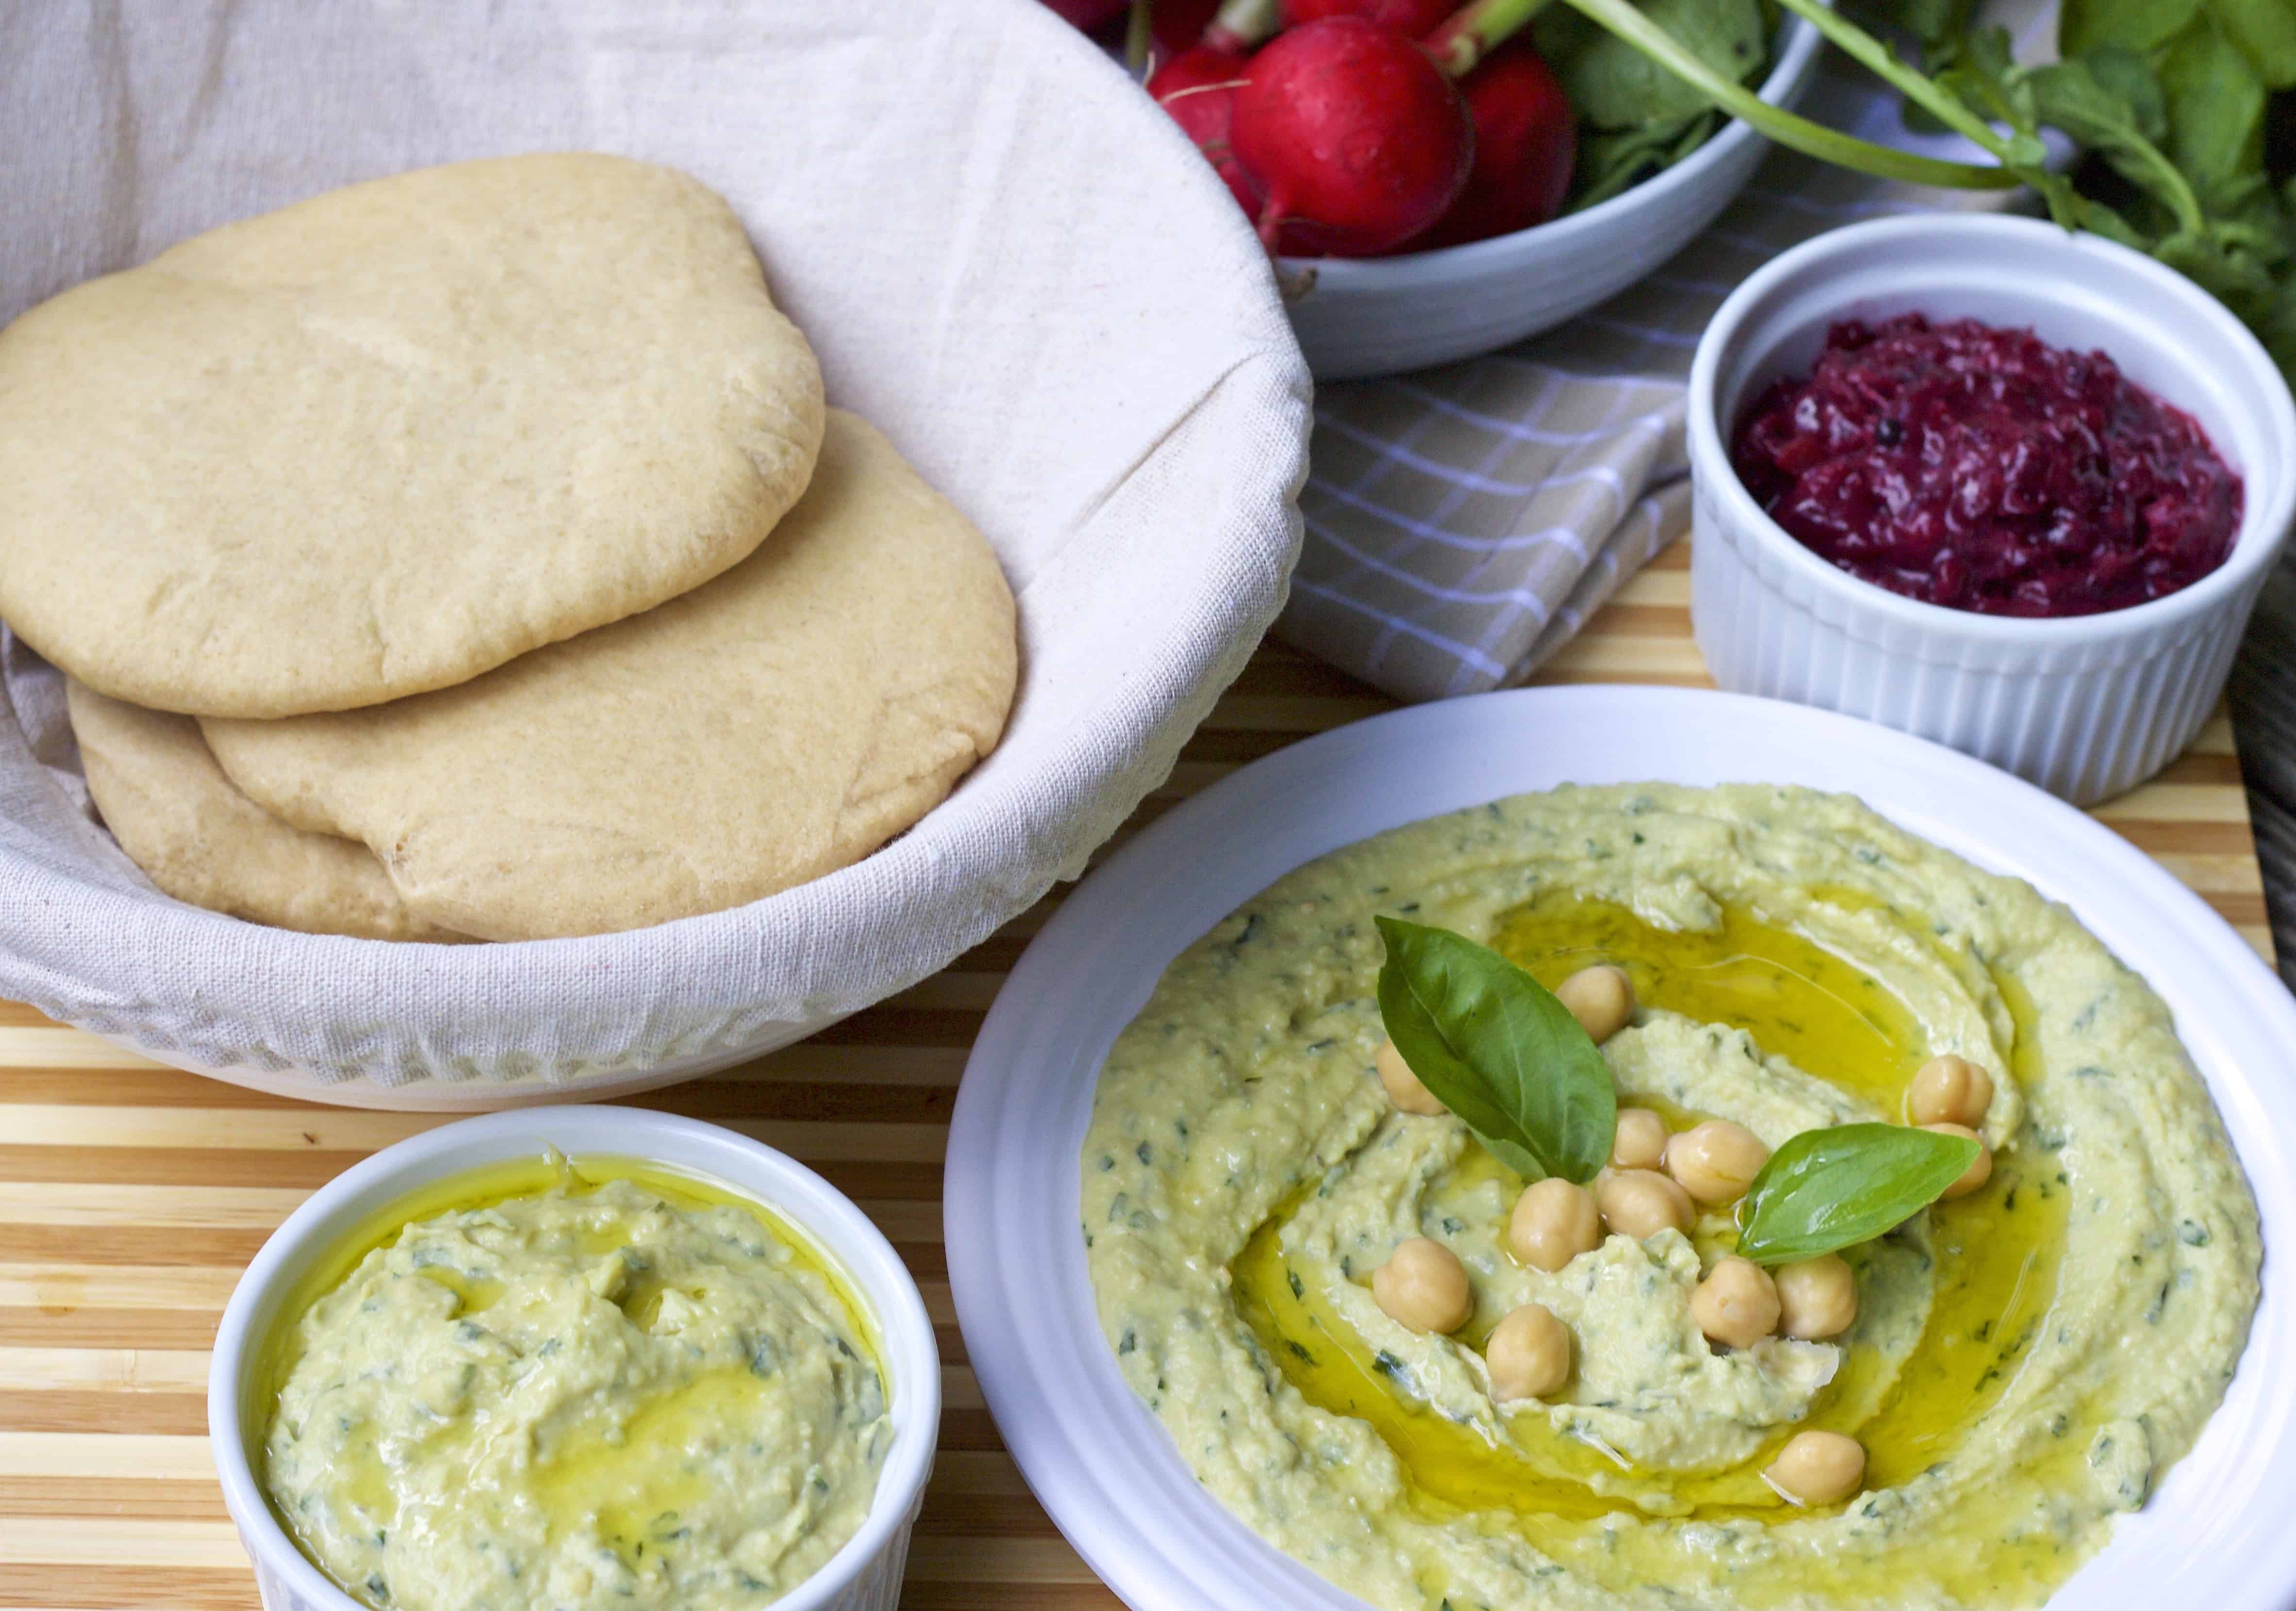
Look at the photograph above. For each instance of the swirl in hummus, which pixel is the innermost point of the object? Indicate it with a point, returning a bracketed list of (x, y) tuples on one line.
[(2025, 1361), (578, 1398)]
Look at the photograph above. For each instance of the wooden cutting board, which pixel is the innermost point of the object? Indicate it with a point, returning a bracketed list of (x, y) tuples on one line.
[(131, 1194)]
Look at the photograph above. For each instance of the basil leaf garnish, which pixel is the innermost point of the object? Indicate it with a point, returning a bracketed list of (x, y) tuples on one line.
[(1499, 1051), (1828, 1189)]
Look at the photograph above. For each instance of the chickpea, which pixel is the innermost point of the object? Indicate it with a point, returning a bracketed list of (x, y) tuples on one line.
[(1423, 1286), (1716, 1161), (1736, 1305), (1529, 1353), (1402, 1086), (1602, 999), (1817, 1468), (1950, 1091), (1554, 1222), (1817, 1297), (1639, 1141), (1981, 1169), (1640, 1203)]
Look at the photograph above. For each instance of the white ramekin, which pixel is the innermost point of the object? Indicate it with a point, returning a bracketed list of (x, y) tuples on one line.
[(2084, 705), (864, 1575)]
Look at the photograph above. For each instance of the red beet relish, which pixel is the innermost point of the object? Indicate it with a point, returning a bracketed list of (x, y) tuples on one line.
[(1984, 469)]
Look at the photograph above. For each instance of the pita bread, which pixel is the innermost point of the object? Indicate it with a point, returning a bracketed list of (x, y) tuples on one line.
[(773, 726), (199, 839), (391, 437)]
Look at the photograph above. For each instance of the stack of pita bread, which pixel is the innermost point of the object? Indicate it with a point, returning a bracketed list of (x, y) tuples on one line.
[(469, 555)]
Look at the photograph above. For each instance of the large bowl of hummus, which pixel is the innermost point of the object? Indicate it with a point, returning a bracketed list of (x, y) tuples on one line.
[(587, 1357), (1211, 1345)]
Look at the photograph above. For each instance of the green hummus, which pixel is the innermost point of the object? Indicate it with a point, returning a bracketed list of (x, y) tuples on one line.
[(2026, 1360), (577, 1400)]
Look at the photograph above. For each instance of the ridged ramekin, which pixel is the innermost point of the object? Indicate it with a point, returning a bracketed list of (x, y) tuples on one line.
[(864, 1575), (2083, 706)]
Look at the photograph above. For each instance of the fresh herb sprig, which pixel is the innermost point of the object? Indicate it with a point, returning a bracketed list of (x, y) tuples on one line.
[(1498, 1050), (1830, 1189), (2174, 101), (1647, 78)]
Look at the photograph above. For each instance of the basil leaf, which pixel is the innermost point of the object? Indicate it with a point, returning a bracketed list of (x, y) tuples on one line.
[(2215, 117), (1612, 86), (1499, 1051), (2265, 31), (2135, 24), (1830, 1189), (2129, 78), (1614, 161)]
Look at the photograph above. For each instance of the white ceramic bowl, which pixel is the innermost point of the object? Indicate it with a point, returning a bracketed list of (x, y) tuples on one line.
[(2084, 705), (864, 1575), (2214, 1534), (1382, 315), (1099, 374)]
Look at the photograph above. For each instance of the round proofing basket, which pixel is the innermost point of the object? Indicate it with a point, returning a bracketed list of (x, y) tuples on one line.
[(1099, 374)]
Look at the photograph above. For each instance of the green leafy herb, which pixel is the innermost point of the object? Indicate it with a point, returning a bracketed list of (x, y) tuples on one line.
[(1635, 116), (1614, 161), (1611, 84), (2174, 101), (1499, 1051), (1830, 1189), (1632, 24), (2185, 111)]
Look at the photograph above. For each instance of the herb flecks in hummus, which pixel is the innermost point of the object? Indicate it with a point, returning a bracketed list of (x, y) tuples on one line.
[(2023, 1363), (577, 1399)]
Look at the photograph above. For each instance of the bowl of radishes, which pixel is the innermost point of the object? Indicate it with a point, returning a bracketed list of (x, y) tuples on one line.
[(1438, 180)]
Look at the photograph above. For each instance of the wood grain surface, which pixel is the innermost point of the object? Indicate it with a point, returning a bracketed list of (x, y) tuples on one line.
[(131, 1194)]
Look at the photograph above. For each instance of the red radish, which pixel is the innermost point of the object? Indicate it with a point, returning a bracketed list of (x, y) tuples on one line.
[(1180, 24), (1350, 138), (1526, 140), (1411, 18), (1243, 25), (1090, 14), (1198, 88), (1475, 30)]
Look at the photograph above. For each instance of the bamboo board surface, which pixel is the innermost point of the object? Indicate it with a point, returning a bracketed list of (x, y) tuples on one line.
[(131, 1194)]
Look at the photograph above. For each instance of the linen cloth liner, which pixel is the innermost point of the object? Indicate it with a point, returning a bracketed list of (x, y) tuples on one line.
[(1462, 523), (1095, 369)]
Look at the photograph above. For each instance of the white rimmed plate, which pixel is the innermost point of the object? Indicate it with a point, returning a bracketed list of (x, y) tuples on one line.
[(2216, 1533)]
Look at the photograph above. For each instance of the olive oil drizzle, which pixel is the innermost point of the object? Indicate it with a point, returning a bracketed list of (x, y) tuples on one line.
[(500, 1183), (1997, 1252), (625, 1503), (1823, 1014)]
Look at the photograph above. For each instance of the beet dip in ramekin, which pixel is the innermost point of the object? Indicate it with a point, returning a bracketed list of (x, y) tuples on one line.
[(1983, 469), (2103, 455)]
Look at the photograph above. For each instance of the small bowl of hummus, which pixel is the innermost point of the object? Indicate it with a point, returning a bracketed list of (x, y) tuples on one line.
[(579, 1357)]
